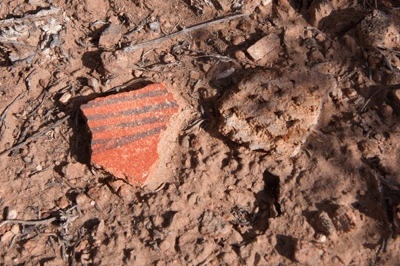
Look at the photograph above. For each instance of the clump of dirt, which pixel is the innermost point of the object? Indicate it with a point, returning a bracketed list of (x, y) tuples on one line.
[(274, 111), (379, 30)]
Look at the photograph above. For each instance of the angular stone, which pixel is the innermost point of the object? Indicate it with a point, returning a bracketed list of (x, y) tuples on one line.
[(275, 110), (126, 130), (263, 46)]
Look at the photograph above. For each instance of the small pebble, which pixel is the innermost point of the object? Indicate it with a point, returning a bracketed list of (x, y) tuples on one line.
[(62, 202), (86, 90), (12, 214), (336, 94), (206, 67), (386, 111), (154, 26), (240, 55), (264, 46), (65, 97), (194, 75), (168, 58), (397, 95), (15, 229), (351, 93), (320, 238), (137, 73), (238, 40), (94, 83)]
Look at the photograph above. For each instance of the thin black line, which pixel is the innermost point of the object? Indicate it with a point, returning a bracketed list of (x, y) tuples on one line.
[(131, 124), (135, 111), (114, 143), (128, 98)]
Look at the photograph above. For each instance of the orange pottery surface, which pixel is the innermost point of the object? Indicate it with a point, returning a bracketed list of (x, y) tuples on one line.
[(126, 130)]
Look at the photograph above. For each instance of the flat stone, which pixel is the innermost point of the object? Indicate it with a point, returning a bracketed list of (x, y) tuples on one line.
[(263, 46), (274, 110), (74, 170), (7, 237), (111, 36), (119, 62), (126, 130)]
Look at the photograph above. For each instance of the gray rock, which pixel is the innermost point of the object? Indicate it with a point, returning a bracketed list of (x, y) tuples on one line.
[(154, 26)]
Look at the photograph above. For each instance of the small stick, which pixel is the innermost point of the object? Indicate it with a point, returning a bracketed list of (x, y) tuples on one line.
[(210, 258), (44, 93), (36, 222), (373, 95), (134, 47), (223, 58), (127, 84), (37, 135), (160, 187), (3, 114), (31, 17)]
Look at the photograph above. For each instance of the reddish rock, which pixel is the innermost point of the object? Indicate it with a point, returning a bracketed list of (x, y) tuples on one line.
[(240, 55), (62, 202), (126, 130), (238, 40)]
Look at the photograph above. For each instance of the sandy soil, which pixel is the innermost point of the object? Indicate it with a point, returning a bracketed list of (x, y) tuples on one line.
[(314, 180)]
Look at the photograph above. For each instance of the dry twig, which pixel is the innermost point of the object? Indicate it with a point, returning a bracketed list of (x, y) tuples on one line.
[(37, 135), (24, 222), (127, 84), (134, 47), (4, 113)]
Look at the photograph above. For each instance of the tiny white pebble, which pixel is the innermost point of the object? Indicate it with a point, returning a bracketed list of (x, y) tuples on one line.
[(12, 214)]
